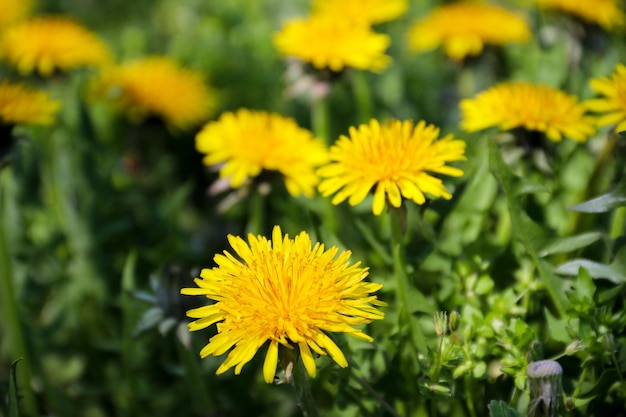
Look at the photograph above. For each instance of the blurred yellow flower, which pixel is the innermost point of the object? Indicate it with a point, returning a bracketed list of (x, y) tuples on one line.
[(247, 142), (463, 28), (397, 158), (22, 105), (284, 291), (51, 43), (606, 13), (613, 104), (158, 86), (371, 11), (533, 107), (13, 10), (330, 41)]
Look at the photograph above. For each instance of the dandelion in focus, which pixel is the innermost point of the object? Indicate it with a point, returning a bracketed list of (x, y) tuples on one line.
[(22, 105), (396, 159), (51, 43), (371, 11), (464, 28), (613, 102), (532, 107), (247, 142), (286, 292), (609, 14), (330, 41), (158, 86)]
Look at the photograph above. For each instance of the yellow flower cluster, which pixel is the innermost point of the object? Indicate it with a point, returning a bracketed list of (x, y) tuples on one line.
[(608, 14), (22, 105), (613, 104)]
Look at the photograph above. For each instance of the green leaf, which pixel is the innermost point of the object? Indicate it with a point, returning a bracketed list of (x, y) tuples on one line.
[(501, 409), (596, 270), (569, 244), (605, 202), (601, 387), (13, 396), (526, 230), (585, 288)]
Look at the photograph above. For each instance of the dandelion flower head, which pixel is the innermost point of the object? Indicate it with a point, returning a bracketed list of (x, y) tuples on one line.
[(286, 292), (22, 105), (13, 10), (396, 159), (608, 14), (525, 105), (613, 102), (330, 41), (247, 142), (372, 11), (463, 28), (158, 86), (51, 43)]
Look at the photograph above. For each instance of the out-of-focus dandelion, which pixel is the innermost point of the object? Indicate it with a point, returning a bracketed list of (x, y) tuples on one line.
[(613, 102), (608, 14), (333, 42), (51, 43), (13, 10), (247, 142), (465, 27), (370, 11), (158, 86), (286, 292), (396, 159), (22, 105), (532, 107)]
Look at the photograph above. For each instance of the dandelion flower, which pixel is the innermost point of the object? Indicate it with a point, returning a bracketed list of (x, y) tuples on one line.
[(330, 41), (371, 11), (613, 104), (463, 28), (533, 107), (22, 105), (608, 14), (13, 10), (158, 86), (47, 44), (247, 142), (286, 292), (397, 159)]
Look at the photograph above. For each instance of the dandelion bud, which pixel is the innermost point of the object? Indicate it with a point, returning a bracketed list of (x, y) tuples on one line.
[(454, 319), (575, 347), (441, 323), (544, 381)]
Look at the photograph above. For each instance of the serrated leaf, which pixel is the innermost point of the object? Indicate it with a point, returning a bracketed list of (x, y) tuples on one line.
[(569, 244), (14, 410), (605, 202), (501, 409), (596, 270)]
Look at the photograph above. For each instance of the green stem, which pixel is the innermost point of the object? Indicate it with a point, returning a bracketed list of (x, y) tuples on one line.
[(469, 395), (300, 383), (8, 296), (581, 382), (320, 118), (374, 394), (362, 95), (199, 391), (416, 336), (256, 215)]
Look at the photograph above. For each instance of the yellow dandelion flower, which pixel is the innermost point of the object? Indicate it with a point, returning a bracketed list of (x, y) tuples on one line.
[(247, 142), (22, 105), (158, 86), (372, 11), (284, 291), (47, 44), (608, 14), (397, 158), (329, 41), (533, 107), (613, 104), (463, 28), (13, 10)]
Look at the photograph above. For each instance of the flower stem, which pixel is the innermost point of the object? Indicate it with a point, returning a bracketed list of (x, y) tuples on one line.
[(362, 96), (320, 119), (416, 336), (297, 376), (256, 214), (8, 296)]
